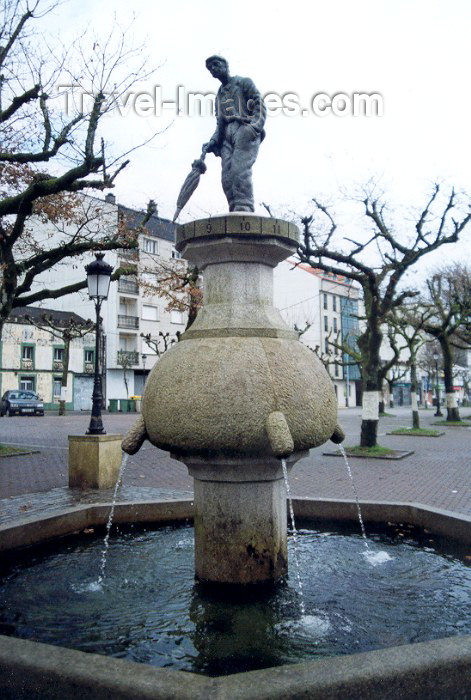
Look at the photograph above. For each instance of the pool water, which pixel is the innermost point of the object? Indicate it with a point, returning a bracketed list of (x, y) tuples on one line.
[(411, 587)]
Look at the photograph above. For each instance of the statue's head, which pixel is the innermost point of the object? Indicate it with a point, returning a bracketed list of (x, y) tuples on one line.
[(217, 66)]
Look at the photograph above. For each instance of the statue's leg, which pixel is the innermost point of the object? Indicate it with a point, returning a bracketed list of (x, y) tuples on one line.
[(246, 146), (227, 150)]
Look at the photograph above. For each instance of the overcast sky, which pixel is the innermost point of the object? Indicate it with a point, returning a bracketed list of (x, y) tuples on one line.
[(415, 53)]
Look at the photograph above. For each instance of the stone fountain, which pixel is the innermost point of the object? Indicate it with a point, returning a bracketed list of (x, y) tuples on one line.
[(236, 394)]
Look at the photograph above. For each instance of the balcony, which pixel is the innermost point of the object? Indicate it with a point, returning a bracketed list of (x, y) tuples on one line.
[(128, 321), (26, 363), (58, 366), (127, 357), (128, 286)]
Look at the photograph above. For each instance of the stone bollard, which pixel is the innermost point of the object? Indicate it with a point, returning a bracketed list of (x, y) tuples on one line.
[(94, 461)]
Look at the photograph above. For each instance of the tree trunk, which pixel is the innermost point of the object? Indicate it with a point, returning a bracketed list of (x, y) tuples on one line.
[(65, 372), (465, 390), (192, 313), (370, 343), (369, 432), (413, 395), (452, 411), (391, 392)]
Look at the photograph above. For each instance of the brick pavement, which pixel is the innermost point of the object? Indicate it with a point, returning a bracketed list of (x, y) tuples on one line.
[(438, 474)]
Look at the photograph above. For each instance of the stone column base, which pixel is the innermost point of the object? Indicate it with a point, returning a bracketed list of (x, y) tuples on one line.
[(94, 461), (240, 519)]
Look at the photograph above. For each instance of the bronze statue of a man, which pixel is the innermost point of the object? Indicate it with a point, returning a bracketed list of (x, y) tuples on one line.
[(241, 115)]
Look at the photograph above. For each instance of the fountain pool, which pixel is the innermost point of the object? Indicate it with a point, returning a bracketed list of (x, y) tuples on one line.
[(149, 610)]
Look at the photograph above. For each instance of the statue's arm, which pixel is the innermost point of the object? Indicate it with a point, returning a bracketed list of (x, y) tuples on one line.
[(215, 142), (216, 139), (256, 109)]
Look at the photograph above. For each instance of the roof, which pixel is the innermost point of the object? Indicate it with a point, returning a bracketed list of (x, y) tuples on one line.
[(156, 226), (340, 279), (18, 315)]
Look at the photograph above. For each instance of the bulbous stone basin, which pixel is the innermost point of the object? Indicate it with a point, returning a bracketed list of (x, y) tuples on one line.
[(238, 363), (215, 394)]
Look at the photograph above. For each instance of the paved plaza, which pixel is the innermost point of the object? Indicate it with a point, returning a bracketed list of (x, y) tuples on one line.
[(437, 474)]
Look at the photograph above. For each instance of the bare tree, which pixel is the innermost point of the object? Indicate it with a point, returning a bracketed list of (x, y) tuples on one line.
[(161, 343), (175, 282), (342, 351), (463, 374), (408, 323), (124, 361), (394, 376), (449, 302), (380, 283), (427, 363), (49, 155)]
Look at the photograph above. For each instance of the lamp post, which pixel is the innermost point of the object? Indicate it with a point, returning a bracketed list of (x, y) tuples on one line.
[(98, 279), (347, 385), (437, 412)]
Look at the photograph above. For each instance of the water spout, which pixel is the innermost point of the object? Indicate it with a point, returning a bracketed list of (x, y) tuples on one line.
[(281, 441), (373, 558), (355, 493), (134, 438), (295, 539), (106, 542), (338, 435)]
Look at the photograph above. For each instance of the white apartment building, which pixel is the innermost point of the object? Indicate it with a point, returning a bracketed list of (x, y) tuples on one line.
[(327, 307), (129, 310)]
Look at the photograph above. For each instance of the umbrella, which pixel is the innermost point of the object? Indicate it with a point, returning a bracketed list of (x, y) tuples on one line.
[(191, 183)]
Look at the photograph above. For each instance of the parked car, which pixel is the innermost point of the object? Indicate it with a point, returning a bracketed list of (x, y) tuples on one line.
[(22, 403)]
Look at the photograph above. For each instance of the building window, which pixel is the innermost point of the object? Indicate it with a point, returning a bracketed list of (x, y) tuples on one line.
[(336, 370), (58, 354), (56, 388), (27, 353), (334, 302), (150, 313), (89, 357), (27, 357), (326, 346), (326, 324), (325, 301), (150, 245), (176, 254), (176, 317), (27, 383), (335, 325)]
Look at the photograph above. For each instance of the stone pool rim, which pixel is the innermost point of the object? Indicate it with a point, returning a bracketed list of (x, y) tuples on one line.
[(427, 669)]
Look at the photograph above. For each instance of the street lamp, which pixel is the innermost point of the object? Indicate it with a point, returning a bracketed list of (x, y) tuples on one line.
[(98, 280), (437, 412)]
